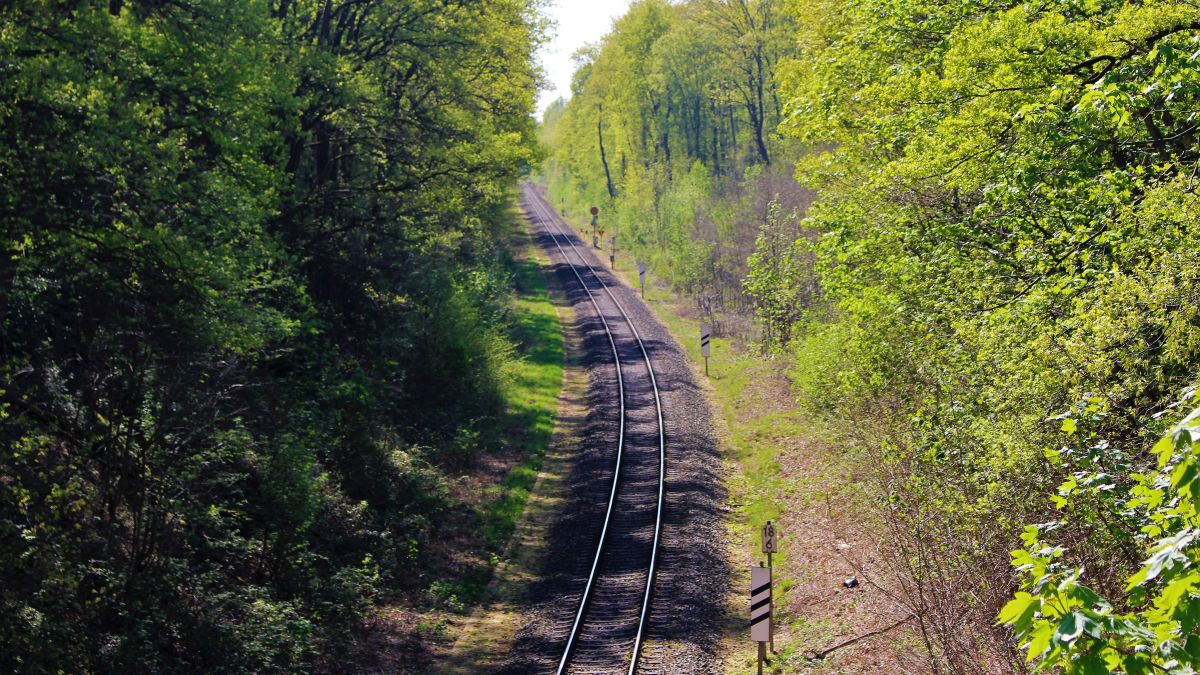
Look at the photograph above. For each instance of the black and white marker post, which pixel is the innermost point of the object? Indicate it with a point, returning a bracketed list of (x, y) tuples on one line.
[(612, 253), (769, 545), (760, 610), (705, 336), (642, 278)]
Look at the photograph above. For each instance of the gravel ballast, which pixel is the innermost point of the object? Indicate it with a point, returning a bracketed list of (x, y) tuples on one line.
[(693, 573)]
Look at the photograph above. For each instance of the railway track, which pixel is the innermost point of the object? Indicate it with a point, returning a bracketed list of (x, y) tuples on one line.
[(609, 626)]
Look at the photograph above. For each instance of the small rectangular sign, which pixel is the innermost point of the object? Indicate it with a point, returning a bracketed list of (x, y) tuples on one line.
[(705, 336), (769, 534), (760, 604)]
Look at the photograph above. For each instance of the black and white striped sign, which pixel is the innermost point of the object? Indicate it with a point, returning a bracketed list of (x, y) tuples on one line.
[(760, 603), (642, 273), (705, 335)]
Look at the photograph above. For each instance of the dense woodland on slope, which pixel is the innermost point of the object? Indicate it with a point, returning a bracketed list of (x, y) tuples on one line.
[(254, 298), (968, 230), (252, 310)]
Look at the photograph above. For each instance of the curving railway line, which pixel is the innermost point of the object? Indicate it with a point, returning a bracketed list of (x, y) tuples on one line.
[(609, 626)]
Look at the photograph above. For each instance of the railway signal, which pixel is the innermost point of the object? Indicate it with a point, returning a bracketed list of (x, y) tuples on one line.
[(760, 610), (642, 278), (596, 227), (705, 351)]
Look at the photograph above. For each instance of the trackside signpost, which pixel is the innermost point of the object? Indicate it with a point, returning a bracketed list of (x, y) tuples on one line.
[(770, 544), (705, 351), (760, 610), (612, 253), (642, 278)]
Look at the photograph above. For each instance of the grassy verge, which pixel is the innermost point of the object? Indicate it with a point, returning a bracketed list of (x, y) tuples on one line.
[(492, 496), (533, 394), (549, 403)]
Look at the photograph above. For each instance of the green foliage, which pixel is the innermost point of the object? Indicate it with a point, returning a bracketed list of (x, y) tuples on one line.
[(253, 308), (1065, 626), (1003, 217), (781, 279), (1005, 197), (670, 132), (532, 399)]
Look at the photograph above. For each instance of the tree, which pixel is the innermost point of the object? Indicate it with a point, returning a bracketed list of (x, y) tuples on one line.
[(252, 306), (756, 33)]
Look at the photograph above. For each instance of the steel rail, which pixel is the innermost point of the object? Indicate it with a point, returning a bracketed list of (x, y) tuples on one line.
[(552, 221), (612, 495)]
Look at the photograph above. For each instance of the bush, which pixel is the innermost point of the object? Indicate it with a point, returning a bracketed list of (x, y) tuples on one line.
[(1153, 625)]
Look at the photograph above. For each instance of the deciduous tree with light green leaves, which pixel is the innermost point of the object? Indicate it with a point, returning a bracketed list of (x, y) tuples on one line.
[(1005, 196), (1005, 200), (670, 129)]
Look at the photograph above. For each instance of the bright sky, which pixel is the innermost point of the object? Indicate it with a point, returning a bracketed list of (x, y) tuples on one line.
[(578, 22)]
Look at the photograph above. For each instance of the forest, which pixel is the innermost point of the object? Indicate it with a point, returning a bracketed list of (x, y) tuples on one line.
[(966, 230), (261, 316), (254, 311)]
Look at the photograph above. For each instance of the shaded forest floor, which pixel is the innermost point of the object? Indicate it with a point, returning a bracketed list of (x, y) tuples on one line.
[(489, 496), (787, 466)]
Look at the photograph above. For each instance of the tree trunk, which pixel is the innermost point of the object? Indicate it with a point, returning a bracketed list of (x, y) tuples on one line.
[(732, 128), (716, 140), (665, 141), (758, 120), (612, 191)]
